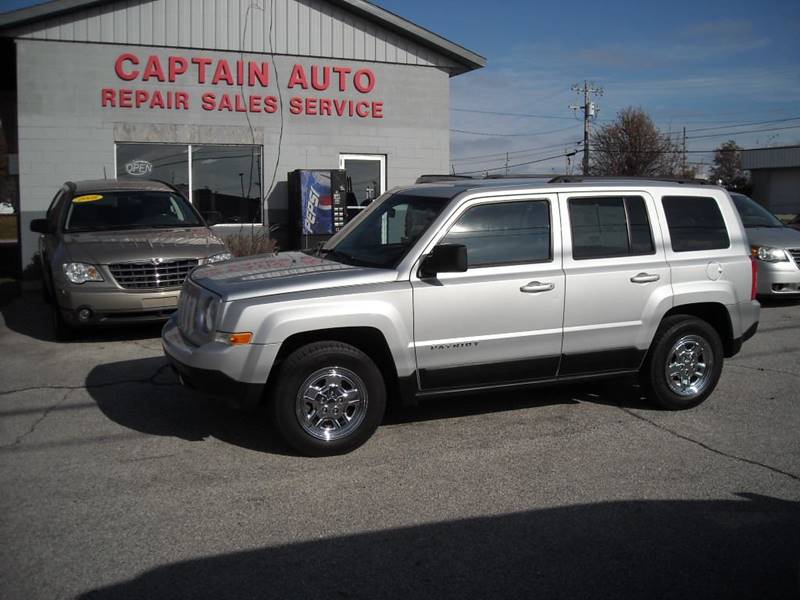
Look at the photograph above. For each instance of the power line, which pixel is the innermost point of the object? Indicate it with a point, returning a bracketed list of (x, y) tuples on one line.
[(734, 125), (521, 151), (511, 114), (530, 162), (528, 134), (724, 133)]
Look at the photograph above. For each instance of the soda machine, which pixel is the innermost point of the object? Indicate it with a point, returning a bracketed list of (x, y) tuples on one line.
[(317, 206)]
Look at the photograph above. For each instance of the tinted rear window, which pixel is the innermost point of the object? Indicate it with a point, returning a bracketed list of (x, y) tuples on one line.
[(695, 223)]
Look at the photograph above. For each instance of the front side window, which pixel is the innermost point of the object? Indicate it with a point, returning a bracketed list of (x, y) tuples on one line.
[(385, 234), (504, 233), (105, 211), (609, 226), (695, 223)]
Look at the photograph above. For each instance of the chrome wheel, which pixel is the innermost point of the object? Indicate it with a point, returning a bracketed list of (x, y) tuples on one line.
[(331, 403), (689, 366)]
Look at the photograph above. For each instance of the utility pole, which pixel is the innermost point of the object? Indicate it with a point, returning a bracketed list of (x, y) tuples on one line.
[(506, 164), (590, 110), (685, 165)]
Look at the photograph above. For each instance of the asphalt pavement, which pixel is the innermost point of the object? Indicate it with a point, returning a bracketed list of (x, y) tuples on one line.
[(115, 482)]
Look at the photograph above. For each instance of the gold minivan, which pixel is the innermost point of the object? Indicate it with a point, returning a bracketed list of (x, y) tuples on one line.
[(118, 251)]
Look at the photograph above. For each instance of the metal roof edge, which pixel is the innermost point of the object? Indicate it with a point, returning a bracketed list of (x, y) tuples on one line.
[(467, 59)]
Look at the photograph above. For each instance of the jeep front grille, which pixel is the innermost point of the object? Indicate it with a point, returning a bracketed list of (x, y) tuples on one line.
[(151, 276)]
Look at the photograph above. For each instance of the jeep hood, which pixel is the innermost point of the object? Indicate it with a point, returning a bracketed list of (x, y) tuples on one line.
[(287, 272), (777, 237), (106, 247)]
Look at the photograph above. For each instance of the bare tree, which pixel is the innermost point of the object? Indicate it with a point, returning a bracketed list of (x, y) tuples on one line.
[(727, 169), (633, 146)]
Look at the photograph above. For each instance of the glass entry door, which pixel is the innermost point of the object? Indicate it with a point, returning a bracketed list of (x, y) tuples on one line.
[(366, 175)]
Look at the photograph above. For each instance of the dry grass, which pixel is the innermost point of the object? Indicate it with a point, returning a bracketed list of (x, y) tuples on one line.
[(249, 242)]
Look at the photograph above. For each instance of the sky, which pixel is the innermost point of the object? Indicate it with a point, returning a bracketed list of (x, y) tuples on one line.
[(722, 69)]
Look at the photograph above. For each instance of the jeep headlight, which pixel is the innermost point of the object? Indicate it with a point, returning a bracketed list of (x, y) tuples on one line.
[(222, 256), (81, 272), (768, 254), (207, 313)]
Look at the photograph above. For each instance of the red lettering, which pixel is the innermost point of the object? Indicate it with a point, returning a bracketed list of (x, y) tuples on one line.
[(326, 78), (258, 71), (342, 72), (240, 105), (182, 100), (222, 72), (107, 97), (362, 109), (311, 106), (125, 98), (157, 101), (225, 103), (140, 97), (239, 72), (153, 69), (201, 63), (296, 105), (377, 110), (254, 104), (270, 104), (298, 77), (176, 65), (325, 107), (339, 106), (360, 86), (127, 57), (208, 100)]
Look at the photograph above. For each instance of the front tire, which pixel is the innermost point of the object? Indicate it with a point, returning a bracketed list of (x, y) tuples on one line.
[(330, 399), (685, 363)]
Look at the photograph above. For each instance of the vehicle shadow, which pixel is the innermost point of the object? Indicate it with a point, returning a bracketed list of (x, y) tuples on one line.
[(641, 549), (26, 313), (144, 395)]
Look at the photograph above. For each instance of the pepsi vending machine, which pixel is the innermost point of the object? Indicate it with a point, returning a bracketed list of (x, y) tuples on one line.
[(317, 206)]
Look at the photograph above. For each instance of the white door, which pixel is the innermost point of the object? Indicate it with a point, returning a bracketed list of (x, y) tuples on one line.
[(500, 321), (366, 174), (617, 275)]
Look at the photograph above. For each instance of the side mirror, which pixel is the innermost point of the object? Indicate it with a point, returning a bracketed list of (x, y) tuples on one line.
[(41, 226), (445, 258)]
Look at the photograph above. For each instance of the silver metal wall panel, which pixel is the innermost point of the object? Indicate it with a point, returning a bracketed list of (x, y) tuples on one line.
[(299, 27), (771, 158)]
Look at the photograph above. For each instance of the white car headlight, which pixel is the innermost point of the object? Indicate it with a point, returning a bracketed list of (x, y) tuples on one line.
[(222, 256), (81, 272), (206, 315), (767, 254)]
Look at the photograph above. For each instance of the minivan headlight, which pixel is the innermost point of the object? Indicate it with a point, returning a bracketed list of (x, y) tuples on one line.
[(222, 256), (81, 272), (768, 254)]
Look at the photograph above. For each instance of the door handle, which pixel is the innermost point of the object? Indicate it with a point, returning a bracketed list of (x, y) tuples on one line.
[(645, 278), (536, 287)]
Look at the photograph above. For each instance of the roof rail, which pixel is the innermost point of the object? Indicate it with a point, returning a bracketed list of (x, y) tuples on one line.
[(581, 178), (433, 178)]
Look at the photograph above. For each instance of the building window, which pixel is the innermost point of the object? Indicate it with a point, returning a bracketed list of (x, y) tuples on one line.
[(222, 181), (366, 176)]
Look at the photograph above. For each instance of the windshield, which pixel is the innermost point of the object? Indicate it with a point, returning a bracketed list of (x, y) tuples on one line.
[(130, 210), (385, 234), (753, 214)]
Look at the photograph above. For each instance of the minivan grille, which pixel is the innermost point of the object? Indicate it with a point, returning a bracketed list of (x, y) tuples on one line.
[(151, 276), (795, 252)]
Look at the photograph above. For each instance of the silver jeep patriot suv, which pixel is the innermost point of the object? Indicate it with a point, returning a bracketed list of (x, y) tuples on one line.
[(470, 285)]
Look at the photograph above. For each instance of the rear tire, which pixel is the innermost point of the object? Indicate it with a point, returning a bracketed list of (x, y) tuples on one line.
[(330, 399), (684, 364)]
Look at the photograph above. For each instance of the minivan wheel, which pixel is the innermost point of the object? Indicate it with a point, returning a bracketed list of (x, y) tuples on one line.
[(330, 398), (685, 363)]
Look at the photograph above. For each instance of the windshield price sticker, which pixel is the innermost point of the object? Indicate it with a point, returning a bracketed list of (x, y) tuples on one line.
[(87, 198)]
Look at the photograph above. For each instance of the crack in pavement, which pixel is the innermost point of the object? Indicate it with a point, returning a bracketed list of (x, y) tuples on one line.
[(710, 448), (37, 422), (151, 380)]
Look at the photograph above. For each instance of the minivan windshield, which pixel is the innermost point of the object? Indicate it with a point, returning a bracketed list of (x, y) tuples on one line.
[(106, 211), (386, 232), (753, 214)]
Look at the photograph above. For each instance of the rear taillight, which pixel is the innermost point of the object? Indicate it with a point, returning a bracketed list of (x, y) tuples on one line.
[(754, 270)]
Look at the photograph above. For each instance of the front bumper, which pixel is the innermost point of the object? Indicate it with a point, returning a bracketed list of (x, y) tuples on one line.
[(108, 305), (236, 372), (778, 279)]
